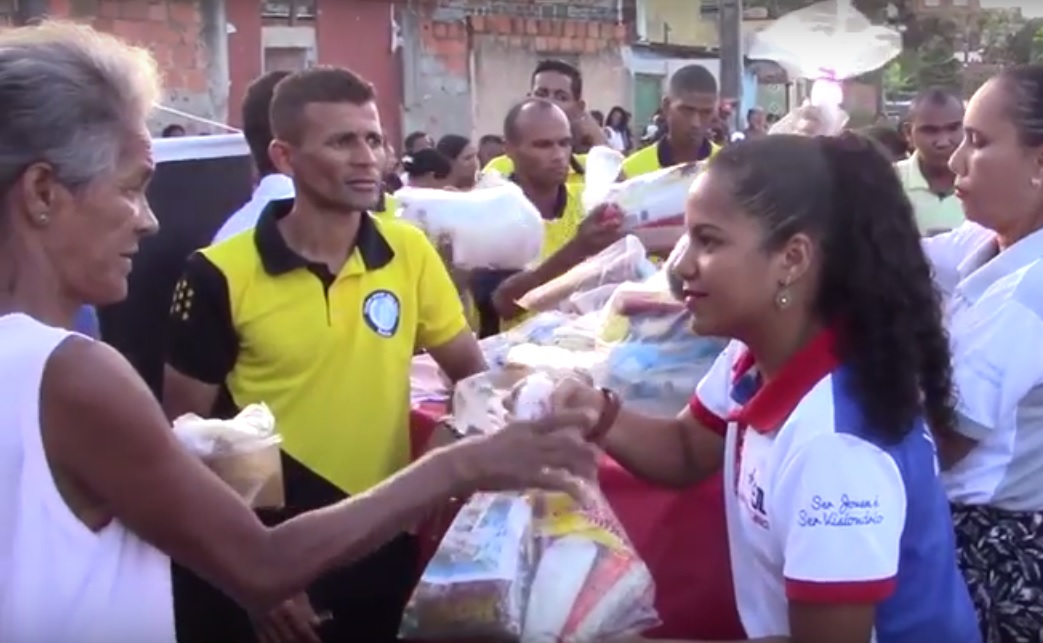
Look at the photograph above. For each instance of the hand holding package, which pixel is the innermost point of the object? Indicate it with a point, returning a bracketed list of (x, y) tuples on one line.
[(647, 201), (242, 451), (624, 260), (544, 569), (495, 227)]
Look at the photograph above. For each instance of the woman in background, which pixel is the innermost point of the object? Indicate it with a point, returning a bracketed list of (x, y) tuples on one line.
[(463, 160), (617, 130), (427, 168), (991, 271)]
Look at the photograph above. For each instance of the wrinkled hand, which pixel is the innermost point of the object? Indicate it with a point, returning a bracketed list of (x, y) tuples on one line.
[(295, 621), (601, 228), (549, 453), (573, 395), (507, 294)]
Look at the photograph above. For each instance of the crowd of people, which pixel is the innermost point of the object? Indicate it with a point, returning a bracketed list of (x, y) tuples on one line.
[(876, 417)]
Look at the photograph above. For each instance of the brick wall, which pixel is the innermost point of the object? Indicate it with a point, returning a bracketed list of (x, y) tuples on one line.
[(173, 30), (470, 66)]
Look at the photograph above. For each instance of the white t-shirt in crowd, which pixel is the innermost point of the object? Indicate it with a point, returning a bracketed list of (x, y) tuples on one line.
[(615, 139), (273, 187), (60, 581), (821, 509), (994, 313)]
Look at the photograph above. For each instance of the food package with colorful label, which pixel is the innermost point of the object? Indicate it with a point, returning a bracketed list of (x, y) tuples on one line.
[(477, 584), (495, 227), (624, 260), (534, 567), (655, 360), (656, 199), (589, 583), (242, 451)]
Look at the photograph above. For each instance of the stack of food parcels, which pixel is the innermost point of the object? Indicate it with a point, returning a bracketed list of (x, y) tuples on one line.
[(242, 451), (536, 567)]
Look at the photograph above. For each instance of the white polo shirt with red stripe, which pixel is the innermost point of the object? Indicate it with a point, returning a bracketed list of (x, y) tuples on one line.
[(821, 508)]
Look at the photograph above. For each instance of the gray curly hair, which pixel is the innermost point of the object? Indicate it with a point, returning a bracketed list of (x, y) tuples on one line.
[(68, 95)]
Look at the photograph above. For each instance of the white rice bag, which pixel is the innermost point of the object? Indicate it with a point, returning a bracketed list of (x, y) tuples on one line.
[(495, 227)]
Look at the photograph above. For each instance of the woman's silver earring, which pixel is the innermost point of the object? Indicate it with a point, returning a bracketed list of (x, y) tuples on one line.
[(1036, 182), (782, 299), (42, 218)]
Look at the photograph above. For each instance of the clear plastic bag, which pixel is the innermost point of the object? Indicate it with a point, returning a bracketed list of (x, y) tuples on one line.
[(624, 260), (654, 360), (568, 575), (495, 227), (242, 451)]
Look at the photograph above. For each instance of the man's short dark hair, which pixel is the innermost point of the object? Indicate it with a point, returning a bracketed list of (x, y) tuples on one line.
[(257, 127), (490, 139), (322, 84), (693, 79), (563, 68), (510, 121), (412, 139), (934, 97)]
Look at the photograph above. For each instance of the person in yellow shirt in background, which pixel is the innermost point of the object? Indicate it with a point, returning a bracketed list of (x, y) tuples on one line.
[(539, 142), (934, 129), (562, 84), (689, 108)]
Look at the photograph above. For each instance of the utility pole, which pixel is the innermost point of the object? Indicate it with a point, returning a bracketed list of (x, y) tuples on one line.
[(729, 30)]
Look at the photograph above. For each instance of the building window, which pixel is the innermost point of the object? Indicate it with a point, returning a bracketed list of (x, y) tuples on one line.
[(931, 3), (288, 8), (709, 8)]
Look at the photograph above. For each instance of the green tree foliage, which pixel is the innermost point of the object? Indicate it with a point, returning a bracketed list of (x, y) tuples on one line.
[(1007, 38)]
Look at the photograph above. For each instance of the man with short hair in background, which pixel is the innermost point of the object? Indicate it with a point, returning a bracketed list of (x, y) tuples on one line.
[(689, 110), (934, 129), (562, 84)]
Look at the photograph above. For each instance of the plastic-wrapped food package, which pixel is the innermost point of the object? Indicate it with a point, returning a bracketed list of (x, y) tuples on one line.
[(568, 575), (495, 227), (624, 260), (655, 360), (647, 201), (477, 584), (242, 451), (589, 583)]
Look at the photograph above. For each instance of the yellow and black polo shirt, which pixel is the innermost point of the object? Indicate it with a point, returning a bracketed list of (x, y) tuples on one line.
[(329, 353), (577, 168), (656, 157)]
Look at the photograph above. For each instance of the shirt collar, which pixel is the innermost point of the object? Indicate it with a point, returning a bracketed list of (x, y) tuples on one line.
[(665, 154), (274, 186), (912, 175), (766, 405), (984, 266), (278, 258), (560, 204)]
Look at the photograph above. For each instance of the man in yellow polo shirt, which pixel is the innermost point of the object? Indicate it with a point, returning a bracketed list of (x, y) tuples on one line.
[(934, 129), (562, 84), (689, 108), (539, 142), (317, 312)]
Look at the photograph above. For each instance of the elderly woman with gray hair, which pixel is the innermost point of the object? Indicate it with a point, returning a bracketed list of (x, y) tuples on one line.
[(96, 495)]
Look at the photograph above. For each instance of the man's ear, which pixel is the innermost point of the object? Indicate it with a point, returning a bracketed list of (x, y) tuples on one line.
[(279, 153), (581, 105), (907, 133)]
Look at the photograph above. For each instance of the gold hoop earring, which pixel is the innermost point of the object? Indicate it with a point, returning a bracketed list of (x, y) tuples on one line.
[(782, 299)]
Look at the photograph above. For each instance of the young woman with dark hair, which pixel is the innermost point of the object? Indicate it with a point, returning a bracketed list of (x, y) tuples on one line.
[(804, 251), (617, 130), (463, 160)]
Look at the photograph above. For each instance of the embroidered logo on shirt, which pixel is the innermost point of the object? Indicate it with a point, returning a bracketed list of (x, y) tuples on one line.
[(842, 510), (381, 311), (751, 496)]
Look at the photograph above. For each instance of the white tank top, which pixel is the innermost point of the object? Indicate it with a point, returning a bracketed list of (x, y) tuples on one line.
[(59, 581)]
